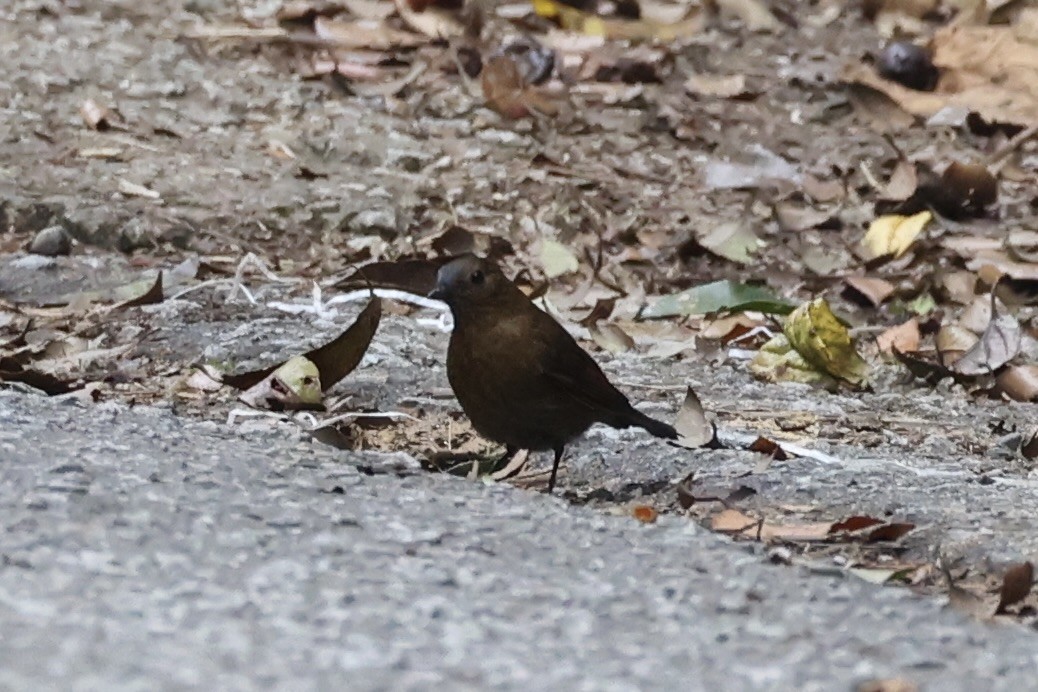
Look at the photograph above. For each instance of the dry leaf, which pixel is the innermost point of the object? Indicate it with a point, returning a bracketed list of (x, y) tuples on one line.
[(732, 240), (716, 86), (334, 360), (824, 342), (855, 523), (415, 276), (903, 182), (293, 386), (889, 532), (1019, 382), (732, 521), (765, 446), (644, 514), (894, 234), (610, 337), (874, 291), (985, 69), (904, 337), (999, 344), (694, 430)]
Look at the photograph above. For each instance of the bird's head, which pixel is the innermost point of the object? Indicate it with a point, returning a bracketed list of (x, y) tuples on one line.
[(468, 280)]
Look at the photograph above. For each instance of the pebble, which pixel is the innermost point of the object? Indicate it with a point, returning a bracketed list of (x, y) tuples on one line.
[(52, 241)]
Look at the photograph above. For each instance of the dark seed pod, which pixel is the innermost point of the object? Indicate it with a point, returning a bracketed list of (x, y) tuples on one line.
[(909, 65)]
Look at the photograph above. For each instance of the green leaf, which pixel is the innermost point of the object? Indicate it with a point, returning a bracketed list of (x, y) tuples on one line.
[(718, 296)]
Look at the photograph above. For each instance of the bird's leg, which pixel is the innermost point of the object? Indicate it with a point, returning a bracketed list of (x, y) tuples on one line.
[(555, 468)]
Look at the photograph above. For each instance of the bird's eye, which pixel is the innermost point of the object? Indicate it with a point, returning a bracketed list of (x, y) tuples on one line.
[(477, 277)]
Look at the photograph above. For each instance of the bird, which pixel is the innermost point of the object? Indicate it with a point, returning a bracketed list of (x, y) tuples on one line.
[(519, 376)]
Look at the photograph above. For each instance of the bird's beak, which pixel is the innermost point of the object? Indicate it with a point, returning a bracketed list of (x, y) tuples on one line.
[(438, 294)]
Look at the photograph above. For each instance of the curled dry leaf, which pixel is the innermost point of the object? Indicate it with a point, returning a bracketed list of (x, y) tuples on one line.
[(999, 344), (153, 295), (904, 337), (293, 386), (507, 93), (334, 360), (765, 446), (871, 290), (855, 523), (415, 276), (894, 234), (824, 342), (902, 183), (694, 430), (889, 532), (1019, 382), (1016, 585)]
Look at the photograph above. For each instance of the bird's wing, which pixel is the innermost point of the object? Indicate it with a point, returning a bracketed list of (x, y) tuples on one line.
[(576, 373)]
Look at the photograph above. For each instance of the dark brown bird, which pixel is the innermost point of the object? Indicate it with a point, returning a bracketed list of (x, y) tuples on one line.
[(518, 374)]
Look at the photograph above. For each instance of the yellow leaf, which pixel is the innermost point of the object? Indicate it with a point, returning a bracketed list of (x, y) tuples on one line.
[(824, 342), (894, 234)]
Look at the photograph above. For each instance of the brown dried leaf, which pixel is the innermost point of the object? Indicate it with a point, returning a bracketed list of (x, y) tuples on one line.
[(508, 94), (872, 290), (645, 514), (766, 446), (902, 183), (855, 523), (890, 532), (732, 521), (1019, 382), (904, 337), (415, 276), (334, 360)]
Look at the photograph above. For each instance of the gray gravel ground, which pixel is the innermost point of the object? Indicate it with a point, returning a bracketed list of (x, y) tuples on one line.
[(145, 551)]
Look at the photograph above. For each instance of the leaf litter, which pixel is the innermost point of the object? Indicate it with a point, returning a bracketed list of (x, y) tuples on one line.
[(798, 239)]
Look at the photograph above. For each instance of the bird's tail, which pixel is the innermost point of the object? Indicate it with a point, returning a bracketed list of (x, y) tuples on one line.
[(655, 427)]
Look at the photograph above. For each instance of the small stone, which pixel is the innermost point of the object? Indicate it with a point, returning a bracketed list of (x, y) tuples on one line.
[(134, 235), (51, 242)]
